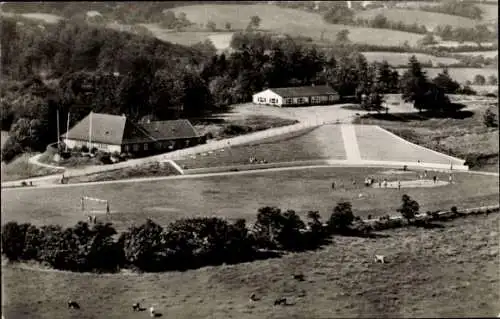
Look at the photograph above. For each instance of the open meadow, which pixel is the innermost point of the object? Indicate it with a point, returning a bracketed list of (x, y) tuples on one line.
[(442, 272), (290, 21), (429, 19), (240, 195)]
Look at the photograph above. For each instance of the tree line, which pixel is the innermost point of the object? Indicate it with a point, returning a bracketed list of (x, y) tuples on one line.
[(185, 243)]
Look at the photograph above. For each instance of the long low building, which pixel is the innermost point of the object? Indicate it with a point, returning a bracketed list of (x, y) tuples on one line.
[(115, 133), (297, 96)]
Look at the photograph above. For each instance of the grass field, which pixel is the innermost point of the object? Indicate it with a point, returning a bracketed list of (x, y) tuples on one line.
[(320, 143), (377, 144), (396, 58), (234, 196), (453, 136), (458, 74), (490, 12), (429, 19), (486, 54), (429, 273), (291, 21)]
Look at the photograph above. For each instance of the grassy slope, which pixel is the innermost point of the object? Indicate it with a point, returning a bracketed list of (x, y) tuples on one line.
[(396, 58), (430, 273), (486, 54), (236, 196), (429, 19), (490, 12), (20, 168), (455, 136), (290, 21), (298, 146), (375, 144)]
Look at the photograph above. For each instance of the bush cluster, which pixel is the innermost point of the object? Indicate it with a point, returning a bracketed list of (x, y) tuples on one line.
[(194, 242)]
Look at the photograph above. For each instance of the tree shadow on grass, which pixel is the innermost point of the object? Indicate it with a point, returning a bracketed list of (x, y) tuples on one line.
[(423, 116)]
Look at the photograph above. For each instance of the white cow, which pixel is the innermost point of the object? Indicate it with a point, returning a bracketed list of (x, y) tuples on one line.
[(380, 258)]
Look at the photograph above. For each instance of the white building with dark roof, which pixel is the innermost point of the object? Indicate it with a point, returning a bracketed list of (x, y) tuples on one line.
[(297, 96), (115, 133)]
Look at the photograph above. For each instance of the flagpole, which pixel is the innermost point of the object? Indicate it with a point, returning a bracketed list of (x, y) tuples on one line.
[(90, 131), (58, 131), (67, 129)]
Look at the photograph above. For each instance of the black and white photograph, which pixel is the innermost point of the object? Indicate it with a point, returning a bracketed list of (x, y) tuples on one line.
[(249, 159)]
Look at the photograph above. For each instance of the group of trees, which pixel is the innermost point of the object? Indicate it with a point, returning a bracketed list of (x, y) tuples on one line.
[(479, 79), (479, 34), (183, 244), (428, 95)]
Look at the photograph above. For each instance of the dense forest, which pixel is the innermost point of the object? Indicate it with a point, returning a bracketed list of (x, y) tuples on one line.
[(79, 68)]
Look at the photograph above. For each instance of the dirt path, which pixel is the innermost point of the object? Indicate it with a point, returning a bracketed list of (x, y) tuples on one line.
[(350, 142)]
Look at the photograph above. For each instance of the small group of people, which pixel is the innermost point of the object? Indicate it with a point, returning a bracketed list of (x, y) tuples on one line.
[(369, 181), (254, 160), (92, 219)]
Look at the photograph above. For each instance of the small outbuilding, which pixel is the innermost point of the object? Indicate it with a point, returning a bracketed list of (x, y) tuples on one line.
[(297, 96)]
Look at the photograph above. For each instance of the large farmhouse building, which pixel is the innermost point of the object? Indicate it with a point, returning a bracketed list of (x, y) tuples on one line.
[(114, 133), (295, 96)]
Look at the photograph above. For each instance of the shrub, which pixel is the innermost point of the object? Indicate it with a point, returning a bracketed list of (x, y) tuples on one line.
[(409, 208), (11, 149), (490, 119), (84, 149), (13, 240), (341, 218), (143, 245)]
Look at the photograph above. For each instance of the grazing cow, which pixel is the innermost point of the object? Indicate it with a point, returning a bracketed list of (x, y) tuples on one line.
[(152, 311), (380, 258), (299, 277), (136, 306), (253, 297), (280, 301), (73, 305)]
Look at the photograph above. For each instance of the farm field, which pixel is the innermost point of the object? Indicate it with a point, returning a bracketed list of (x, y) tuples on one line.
[(221, 40), (429, 273), (396, 58), (429, 19), (290, 21), (240, 196), (486, 54), (490, 12), (377, 144), (460, 75), (310, 144)]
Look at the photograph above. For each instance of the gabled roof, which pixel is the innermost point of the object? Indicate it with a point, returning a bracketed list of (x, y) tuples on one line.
[(106, 129), (164, 130), (117, 130), (304, 91)]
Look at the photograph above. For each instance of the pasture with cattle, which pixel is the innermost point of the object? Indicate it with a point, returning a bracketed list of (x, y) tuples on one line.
[(306, 159)]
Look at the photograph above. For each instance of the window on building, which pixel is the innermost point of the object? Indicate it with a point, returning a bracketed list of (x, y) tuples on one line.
[(136, 147), (187, 143), (274, 100), (126, 148), (262, 99), (145, 146), (288, 101), (331, 97), (300, 100), (315, 99)]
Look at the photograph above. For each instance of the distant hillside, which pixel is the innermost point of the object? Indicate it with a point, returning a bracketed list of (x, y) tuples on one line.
[(429, 19), (396, 59), (291, 21)]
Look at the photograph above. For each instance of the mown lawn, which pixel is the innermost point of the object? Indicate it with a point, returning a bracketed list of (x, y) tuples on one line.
[(444, 272), (310, 144), (465, 138), (241, 195)]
